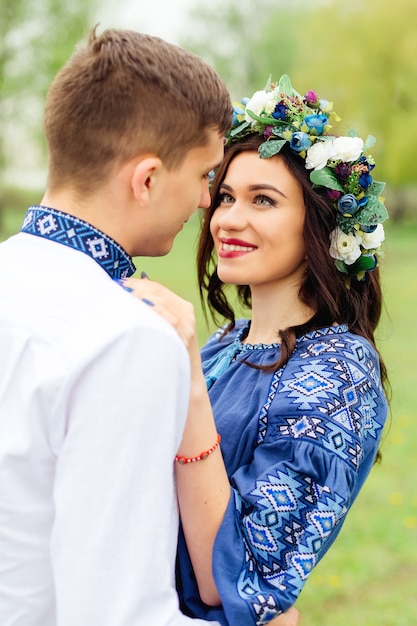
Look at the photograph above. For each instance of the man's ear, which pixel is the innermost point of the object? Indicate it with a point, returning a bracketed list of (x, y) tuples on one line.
[(144, 176)]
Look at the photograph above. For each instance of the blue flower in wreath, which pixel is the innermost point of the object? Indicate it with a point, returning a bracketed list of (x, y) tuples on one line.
[(280, 111), (316, 123), (365, 180), (363, 201), (364, 161), (347, 204), (368, 228), (300, 141), (238, 114)]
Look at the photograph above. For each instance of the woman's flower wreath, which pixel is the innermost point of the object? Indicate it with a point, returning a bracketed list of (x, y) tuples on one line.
[(339, 164)]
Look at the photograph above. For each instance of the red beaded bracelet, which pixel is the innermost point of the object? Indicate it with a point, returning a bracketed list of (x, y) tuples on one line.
[(183, 460)]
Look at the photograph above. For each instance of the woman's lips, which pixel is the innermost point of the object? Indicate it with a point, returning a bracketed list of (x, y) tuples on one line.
[(231, 248)]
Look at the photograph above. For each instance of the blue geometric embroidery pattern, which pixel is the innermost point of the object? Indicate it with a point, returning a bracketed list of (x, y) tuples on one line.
[(75, 233), (304, 426), (335, 388), (284, 533), (322, 389), (263, 415), (311, 384), (316, 422)]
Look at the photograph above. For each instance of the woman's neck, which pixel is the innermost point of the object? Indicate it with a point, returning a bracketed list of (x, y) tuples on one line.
[(274, 310)]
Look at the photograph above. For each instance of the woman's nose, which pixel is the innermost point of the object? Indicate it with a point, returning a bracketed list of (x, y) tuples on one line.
[(233, 218)]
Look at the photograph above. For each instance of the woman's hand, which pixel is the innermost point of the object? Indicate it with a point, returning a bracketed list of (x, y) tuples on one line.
[(203, 488), (177, 311)]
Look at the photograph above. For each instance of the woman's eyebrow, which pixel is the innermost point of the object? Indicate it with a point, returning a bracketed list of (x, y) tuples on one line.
[(257, 187), (262, 186)]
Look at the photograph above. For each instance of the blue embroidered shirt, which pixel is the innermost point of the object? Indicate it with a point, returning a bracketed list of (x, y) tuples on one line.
[(298, 444), (78, 234)]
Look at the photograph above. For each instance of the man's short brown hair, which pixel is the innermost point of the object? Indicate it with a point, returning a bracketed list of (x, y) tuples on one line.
[(123, 94)]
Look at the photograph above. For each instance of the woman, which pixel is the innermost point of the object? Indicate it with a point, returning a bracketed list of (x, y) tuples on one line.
[(297, 391)]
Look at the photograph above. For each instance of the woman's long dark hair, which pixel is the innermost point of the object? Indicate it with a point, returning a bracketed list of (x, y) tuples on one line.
[(324, 288)]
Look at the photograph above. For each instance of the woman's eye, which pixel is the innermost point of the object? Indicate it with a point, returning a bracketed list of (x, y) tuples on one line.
[(264, 201), (225, 198)]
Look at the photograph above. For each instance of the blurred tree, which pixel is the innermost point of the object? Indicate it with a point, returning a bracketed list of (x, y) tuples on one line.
[(362, 55), (365, 58), (35, 39), (236, 35)]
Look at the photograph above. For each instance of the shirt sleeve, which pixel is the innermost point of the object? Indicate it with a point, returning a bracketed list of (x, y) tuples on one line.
[(114, 492), (319, 433)]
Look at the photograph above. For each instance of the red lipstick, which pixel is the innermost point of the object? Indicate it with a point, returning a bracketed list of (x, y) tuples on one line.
[(231, 248)]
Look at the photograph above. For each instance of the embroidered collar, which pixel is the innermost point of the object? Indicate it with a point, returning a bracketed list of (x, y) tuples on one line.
[(218, 364), (75, 233), (243, 331)]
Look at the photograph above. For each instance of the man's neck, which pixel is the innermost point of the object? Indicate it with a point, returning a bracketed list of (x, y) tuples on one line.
[(98, 210)]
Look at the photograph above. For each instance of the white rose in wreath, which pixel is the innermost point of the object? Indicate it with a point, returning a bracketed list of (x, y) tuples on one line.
[(372, 241), (318, 155), (261, 101), (345, 247), (347, 149)]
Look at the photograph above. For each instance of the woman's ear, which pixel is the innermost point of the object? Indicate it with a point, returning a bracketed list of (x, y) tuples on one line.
[(144, 176)]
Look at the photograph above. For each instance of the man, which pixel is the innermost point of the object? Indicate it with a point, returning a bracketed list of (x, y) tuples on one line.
[(94, 385)]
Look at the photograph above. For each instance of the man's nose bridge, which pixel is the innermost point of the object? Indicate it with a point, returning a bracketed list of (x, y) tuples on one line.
[(205, 199)]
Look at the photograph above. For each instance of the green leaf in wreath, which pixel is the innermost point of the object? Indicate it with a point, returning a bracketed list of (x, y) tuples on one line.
[(285, 86), (347, 224), (364, 263), (264, 119), (268, 84), (239, 129), (282, 127), (374, 212), (369, 142), (375, 189), (270, 148), (325, 178), (341, 266)]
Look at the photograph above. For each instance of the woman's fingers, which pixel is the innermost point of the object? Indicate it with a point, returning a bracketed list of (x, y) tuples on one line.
[(175, 310)]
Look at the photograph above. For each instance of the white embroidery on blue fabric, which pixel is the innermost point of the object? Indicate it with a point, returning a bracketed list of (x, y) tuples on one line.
[(47, 225), (283, 538), (76, 233), (333, 386), (97, 248), (330, 398)]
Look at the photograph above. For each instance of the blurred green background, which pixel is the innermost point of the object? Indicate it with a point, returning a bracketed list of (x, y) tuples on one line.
[(363, 57)]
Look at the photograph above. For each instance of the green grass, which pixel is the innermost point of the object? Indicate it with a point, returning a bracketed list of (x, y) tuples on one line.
[(368, 578)]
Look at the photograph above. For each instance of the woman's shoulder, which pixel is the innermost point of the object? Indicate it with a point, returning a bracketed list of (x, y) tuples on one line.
[(333, 351), (336, 340), (331, 391)]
